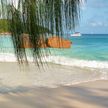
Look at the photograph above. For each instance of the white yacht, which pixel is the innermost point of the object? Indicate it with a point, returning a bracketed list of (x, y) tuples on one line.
[(76, 34)]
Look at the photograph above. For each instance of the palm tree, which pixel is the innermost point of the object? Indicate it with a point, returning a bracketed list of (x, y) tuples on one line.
[(29, 15)]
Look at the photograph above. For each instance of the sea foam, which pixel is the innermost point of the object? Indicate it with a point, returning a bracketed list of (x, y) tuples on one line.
[(7, 57), (77, 62)]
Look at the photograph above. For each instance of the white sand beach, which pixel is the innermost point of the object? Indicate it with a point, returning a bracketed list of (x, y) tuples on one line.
[(22, 87), (85, 95)]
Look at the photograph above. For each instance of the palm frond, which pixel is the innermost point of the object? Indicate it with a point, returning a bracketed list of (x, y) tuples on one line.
[(31, 16)]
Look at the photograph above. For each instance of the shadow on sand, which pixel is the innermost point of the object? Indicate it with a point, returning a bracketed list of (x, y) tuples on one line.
[(61, 97)]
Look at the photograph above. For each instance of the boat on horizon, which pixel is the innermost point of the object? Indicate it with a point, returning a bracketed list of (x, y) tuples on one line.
[(76, 34)]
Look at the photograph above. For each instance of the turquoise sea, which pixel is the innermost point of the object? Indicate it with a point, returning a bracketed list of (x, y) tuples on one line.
[(86, 48), (86, 60)]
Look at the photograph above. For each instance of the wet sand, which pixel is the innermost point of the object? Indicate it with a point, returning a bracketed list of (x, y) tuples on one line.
[(51, 75)]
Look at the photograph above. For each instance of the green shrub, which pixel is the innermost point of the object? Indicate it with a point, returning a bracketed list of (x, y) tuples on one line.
[(4, 25)]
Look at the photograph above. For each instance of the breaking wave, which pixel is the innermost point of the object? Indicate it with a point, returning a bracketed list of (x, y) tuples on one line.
[(7, 57), (77, 62)]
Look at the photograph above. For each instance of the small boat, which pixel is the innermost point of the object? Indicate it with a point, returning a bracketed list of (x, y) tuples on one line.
[(76, 34)]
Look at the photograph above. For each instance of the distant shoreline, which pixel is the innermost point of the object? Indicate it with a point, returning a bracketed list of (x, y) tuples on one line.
[(5, 33)]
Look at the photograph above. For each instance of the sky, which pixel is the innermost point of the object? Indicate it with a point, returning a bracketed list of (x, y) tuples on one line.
[(94, 17)]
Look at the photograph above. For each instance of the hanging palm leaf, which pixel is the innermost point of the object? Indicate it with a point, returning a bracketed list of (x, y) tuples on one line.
[(31, 16)]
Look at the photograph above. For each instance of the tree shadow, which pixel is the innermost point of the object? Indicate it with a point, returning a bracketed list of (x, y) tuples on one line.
[(43, 97)]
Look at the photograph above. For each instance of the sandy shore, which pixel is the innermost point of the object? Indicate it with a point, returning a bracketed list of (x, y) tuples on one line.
[(22, 87), (51, 75), (85, 95)]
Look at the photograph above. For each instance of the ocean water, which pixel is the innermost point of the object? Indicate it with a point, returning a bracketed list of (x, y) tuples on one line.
[(87, 58), (88, 47), (86, 51)]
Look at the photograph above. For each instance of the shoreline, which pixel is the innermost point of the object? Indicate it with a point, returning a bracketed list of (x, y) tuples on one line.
[(48, 75), (5, 33), (50, 87)]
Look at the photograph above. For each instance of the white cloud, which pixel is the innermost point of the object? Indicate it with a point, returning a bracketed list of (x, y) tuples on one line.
[(93, 24), (98, 24)]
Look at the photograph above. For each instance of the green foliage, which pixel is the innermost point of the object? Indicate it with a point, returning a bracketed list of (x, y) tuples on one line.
[(4, 25)]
